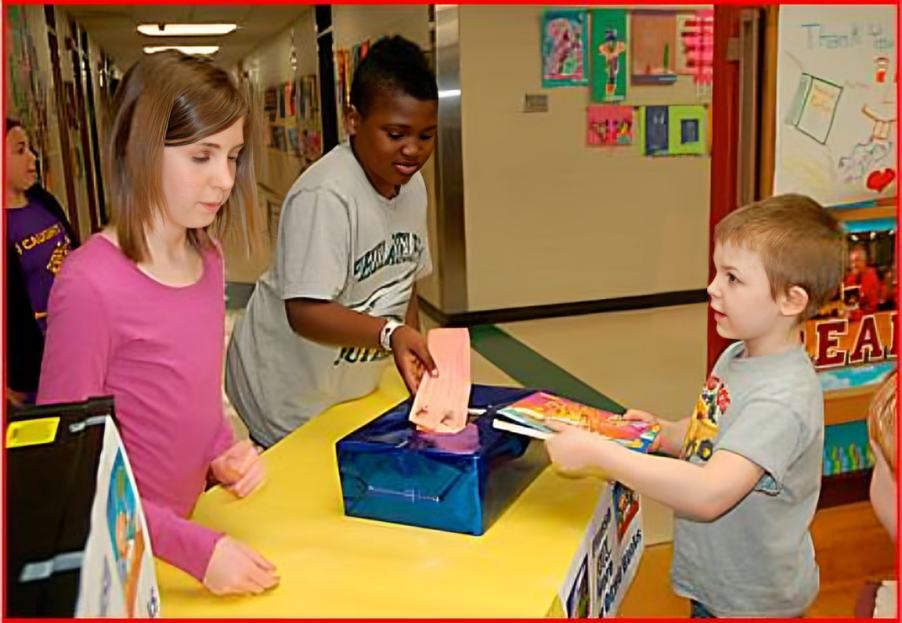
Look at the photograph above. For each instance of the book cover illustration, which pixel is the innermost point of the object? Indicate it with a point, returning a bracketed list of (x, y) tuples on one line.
[(533, 411)]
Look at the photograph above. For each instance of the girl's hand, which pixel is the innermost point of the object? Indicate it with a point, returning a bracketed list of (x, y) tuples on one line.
[(236, 569), (240, 469)]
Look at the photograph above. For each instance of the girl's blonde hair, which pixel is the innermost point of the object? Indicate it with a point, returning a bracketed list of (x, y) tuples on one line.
[(169, 99), (882, 421)]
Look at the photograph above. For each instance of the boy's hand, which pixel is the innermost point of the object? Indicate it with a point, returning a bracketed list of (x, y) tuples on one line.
[(236, 569), (641, 416), (412, 356), (240, 469), (573, 450)]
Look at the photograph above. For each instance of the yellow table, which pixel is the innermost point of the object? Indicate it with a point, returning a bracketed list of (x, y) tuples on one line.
[(337, 566)]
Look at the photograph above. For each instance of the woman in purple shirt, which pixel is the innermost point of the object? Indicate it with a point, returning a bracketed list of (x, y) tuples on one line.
[(138, 312), (38, 239)]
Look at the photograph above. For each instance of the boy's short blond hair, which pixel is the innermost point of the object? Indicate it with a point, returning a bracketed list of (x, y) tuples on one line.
[(798, 240), (882, 421)]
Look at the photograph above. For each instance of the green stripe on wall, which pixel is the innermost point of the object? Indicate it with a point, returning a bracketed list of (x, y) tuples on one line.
[(532, 370)]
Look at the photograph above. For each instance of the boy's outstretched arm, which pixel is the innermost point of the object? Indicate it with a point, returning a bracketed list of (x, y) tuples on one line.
[(702, 493), (328, 322)]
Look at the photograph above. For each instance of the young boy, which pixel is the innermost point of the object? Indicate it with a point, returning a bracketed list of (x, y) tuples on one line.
[(743, 473), (340, 298)]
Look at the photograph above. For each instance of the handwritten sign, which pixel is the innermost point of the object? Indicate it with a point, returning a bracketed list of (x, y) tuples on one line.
[(836, 103)]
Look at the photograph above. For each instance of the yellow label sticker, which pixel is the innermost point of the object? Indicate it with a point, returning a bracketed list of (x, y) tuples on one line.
[(31, 432)]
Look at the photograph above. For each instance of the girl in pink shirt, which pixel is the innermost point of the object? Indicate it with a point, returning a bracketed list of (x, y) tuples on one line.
[(138, 311)]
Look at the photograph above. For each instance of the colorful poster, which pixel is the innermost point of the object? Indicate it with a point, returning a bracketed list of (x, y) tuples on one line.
[(118, 577), (290, 98), (673, 130), (695, 49), (279, 139), (293, 141), (653, 47), (610, 125), (836, 131), (609, 55), (313, 146), (654, 128), (695, 45), (565, 42), (270, 105)]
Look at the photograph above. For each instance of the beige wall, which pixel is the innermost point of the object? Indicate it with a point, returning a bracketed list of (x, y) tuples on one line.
[(355, 23), (549, 219), (270, 65)]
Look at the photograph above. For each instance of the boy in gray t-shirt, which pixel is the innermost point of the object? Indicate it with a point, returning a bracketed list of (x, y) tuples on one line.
[(340, 299), (744, 472)]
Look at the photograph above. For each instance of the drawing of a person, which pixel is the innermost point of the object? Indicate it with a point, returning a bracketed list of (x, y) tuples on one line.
[(611, 49)]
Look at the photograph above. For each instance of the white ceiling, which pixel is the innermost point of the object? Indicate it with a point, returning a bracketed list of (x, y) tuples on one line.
[(114, 27)]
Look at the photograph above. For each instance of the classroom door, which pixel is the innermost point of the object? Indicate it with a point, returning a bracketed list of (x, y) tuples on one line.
[(738, 57)]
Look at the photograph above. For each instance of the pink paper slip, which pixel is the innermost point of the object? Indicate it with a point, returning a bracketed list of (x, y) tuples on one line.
[(441, 403)]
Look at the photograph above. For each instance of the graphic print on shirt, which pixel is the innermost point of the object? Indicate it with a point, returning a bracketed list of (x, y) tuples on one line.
[(60, 249), (703, 427), (404, 248)]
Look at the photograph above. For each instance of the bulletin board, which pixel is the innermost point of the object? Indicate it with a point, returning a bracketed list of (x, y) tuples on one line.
[(836, 103)]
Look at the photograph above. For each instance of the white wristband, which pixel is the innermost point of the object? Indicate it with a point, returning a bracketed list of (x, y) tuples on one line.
[(386, 333)]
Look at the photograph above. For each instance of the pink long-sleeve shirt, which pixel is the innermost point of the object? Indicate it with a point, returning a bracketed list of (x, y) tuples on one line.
[(158, 350)]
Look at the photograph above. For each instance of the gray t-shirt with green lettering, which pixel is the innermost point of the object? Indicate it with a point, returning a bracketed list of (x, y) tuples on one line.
[(339, 240), (756, 560)]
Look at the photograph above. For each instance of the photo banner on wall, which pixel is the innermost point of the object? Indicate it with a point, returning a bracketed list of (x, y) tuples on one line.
[(565, 42), (609, 58), (836, 129)]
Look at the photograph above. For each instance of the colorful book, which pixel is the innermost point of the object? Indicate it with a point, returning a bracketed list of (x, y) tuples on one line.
[(529, 417)]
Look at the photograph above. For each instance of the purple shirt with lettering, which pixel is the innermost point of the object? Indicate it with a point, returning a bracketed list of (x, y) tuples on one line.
[(42, 244)]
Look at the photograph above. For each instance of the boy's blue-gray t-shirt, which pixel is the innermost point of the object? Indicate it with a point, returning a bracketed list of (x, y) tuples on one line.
[(757, 560)]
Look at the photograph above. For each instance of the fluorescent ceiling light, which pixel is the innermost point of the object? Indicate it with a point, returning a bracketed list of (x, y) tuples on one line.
[(185, 30), (184, 49), (449, 93)]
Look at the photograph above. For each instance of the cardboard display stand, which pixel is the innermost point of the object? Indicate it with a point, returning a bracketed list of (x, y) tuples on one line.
[(77, 541)]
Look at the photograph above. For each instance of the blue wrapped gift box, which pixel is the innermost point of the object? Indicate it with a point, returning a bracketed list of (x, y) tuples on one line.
[(391, 472)]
